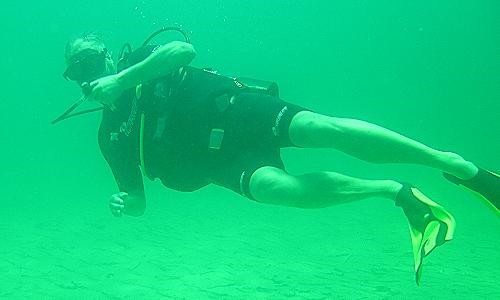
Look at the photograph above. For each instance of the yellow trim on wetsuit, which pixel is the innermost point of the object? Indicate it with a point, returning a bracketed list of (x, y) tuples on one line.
[(141, 146), (138, 94)]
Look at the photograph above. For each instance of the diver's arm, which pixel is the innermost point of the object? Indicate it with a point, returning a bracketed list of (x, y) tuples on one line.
[(130, 199), (127, 201), (161, 62)]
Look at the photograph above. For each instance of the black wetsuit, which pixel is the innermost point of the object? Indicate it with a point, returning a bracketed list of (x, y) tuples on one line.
[(180, 112)]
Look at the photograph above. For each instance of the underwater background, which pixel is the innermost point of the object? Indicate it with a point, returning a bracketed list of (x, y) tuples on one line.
[(428, 69)]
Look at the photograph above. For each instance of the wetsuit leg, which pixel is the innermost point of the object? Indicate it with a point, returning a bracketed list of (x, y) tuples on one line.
[(255, 129)]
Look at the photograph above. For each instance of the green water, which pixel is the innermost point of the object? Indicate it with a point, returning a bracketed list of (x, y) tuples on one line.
[(428, 69)]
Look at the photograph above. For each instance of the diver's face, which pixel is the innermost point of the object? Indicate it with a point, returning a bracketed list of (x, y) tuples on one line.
[(89, 64)]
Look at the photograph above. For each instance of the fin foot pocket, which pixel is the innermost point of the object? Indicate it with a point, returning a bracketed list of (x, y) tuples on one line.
[(430, 224)]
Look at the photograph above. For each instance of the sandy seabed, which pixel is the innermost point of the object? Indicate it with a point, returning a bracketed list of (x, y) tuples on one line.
[(236, 249)]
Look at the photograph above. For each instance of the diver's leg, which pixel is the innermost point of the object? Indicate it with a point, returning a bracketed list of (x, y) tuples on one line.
[(430, 224), (315, 190), (372, 143)]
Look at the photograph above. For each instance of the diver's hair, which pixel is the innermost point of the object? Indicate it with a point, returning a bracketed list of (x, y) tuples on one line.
[(88, 40)]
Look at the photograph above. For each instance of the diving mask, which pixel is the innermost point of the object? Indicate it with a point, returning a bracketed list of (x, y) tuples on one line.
[(87, 66)]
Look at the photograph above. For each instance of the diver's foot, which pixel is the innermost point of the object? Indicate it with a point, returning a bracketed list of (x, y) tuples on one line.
[(417, 212), (485, 183), (430, 224), (457, 166)]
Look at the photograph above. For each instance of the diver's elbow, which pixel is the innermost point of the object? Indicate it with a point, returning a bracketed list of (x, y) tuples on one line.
[(185, 52)]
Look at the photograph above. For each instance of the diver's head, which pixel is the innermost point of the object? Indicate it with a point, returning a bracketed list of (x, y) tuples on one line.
[(87, 59)]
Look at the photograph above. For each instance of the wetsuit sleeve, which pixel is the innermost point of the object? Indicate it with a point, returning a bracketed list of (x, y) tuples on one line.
[(120, 158)]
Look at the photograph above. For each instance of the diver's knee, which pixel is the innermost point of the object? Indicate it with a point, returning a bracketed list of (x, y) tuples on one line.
[(273, 186)]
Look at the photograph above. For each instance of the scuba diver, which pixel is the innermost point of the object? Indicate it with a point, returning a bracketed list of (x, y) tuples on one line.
[(190, 127)]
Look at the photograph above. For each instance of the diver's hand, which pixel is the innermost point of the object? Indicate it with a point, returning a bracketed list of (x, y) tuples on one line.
[(117, 203), (106, 90)]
